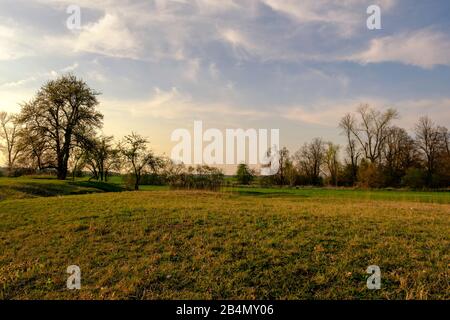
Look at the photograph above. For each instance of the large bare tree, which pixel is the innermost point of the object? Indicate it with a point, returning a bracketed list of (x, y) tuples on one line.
[(399, 153), (310, 158), (429, 141), (371, 130)]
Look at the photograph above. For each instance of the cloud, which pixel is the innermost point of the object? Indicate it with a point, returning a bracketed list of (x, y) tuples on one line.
[(13, 43), (186, 30), (109, 36), (174, 104), (192, 69), (343, 18), (70, 68), (424, 48), (328, 113)]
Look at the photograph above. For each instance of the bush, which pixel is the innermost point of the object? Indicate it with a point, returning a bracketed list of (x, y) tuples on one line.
[(201, 177), (244, 174), (152, 179), (414, 178), (370, 176), (129, 181), (18, 172)]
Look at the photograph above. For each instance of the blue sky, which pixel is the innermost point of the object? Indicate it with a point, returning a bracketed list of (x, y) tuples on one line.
[(293, 65)]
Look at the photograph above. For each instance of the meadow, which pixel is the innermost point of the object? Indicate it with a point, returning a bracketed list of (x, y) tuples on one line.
[(240, 243)]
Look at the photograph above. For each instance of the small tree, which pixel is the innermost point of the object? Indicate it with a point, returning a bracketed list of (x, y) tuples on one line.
[(9, 132), (429, 142), (309, 160), (244, 174), (136, 156), (101, 157), (332, 162)]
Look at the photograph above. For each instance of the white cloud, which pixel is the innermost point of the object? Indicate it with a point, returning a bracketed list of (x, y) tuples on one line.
[(173, 104), (70, 68), (192, 69), (328, 113), (109, 36), (423, 48), (179, 29), (13, 43), (343, 17)]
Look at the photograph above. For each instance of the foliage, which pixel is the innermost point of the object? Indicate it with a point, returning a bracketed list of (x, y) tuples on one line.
[(61, 115), (244, 174), (201, 177)]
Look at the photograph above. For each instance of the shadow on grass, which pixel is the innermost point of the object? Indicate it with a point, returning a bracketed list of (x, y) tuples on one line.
[(29, 189), (103, 186), (268, 194)]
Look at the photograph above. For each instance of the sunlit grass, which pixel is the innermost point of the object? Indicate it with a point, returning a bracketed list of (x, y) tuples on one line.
[(187, 244)]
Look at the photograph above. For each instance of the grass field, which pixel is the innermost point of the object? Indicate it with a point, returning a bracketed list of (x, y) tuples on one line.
[(33, 187), (238, 244)]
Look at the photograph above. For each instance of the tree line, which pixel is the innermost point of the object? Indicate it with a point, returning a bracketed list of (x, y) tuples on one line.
[(58, 131), (378, 154)]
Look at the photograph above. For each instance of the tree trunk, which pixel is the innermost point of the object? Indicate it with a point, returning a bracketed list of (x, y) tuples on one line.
[(136, 184)]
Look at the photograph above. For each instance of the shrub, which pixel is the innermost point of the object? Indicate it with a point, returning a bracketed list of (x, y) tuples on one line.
[(201, 177), (414, 178), (244, 174), (370, 176)]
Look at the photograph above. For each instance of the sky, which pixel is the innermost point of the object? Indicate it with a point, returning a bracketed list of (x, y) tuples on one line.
[(293, 65)]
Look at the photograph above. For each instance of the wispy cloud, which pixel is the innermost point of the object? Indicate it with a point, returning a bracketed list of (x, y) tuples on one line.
[(424, 48)]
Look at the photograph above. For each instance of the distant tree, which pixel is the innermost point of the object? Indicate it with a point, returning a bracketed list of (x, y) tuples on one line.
[(178, 176), (445, 136), (348, 125), (137, 156), (332, 162), (399, 154), (9, 133), (76, 162), (443, 165), (61, 113), (284, 165), (370, 175), (414, 178), (244, 174), (371, 131), (429, 142), (309, 160), (101, 157)]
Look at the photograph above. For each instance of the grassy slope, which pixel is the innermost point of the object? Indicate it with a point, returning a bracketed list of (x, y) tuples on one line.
[(32, 187), (180, 245)]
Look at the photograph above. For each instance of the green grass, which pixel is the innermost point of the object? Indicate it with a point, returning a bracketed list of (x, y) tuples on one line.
[(32, 187), (231, 245), (336, 193)]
